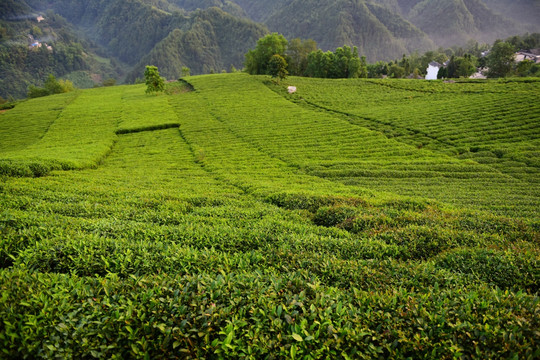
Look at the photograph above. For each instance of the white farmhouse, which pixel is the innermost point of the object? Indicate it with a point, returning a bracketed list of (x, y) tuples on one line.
[(433, 70)]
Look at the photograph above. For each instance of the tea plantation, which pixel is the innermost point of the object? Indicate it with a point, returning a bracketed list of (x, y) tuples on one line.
[(355, 219)]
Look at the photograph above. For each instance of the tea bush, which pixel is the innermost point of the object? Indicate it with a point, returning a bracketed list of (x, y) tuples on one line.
[(233, 221)]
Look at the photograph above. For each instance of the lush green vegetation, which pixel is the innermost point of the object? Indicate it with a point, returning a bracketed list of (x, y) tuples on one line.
[(31, 50), (51, 87), (218, 223), (476, 121), (143, 32)]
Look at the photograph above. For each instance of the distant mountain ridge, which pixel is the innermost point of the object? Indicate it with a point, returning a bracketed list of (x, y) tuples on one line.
[(409, 22)]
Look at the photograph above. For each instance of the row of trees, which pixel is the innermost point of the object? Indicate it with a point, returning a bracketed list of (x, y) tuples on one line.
[(275, 56), (303, 58)]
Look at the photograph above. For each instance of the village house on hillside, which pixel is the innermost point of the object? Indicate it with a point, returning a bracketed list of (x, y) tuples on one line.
[(532, 55), (34, 44)]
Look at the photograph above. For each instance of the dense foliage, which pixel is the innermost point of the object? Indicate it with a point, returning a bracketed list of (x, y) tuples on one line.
[(258, 60), (32, 49), (51, 87), (501, 59), (154, 82), (343, 63), (238, 221), (277, 67), (304, 59)]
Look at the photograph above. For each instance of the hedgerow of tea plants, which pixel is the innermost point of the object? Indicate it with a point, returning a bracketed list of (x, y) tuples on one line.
[(234, 221)]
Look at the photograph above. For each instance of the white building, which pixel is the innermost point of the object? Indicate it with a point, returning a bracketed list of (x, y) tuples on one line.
[(433, 70)]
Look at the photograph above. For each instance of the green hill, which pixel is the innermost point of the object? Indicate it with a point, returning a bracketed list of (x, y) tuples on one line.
[(205, 46), (227, 219), (522, 11), (96, 40), (126, 34), (131, 30), (385, 29)]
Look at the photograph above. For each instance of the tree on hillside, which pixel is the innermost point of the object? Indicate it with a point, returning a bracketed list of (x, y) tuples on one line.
[(258, 59), (50, 87), (524, 67), (443, 73), (461, 66), (395, 71), (277, 67), (319, 64), (186, 71), (500, 59), (358, 67), (154, 82), (297, 53)]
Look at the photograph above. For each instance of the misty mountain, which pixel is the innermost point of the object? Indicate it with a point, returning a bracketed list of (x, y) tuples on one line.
[(385, 29), (377, 25), (133, 33), (375, 30), (526, 13), (135, 29), (450, 22)]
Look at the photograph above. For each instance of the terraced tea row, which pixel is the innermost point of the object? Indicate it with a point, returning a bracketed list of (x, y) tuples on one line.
[(29, 121), (330, 146), (238, 234), (462, 118), (153, 223)]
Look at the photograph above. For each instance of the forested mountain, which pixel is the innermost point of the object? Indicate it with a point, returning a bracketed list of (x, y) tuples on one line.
[(34, 44), (376, 31), (364, 22), (384, 29), (205, 46), (450, 22), (523, 12), (95, 39), (130, 32), (132, 29)]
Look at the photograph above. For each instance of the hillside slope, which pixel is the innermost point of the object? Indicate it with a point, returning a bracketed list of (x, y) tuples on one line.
[(239, 214), (130, 30), (127, 34), (108, 38), (377, 32), (456, 21), (30, 49), (205, 46), (385, 29)]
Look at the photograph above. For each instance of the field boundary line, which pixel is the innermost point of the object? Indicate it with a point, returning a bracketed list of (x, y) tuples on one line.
[(69, 102), (123, 131), (348, 116)]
